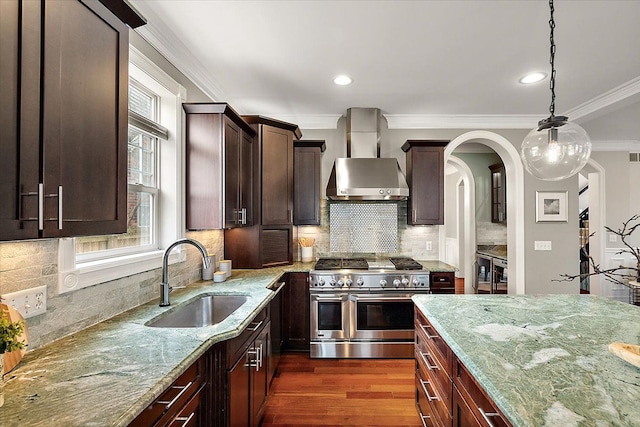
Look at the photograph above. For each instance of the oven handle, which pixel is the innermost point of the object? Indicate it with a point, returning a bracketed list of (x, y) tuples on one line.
[(379, 299), (320, 299)]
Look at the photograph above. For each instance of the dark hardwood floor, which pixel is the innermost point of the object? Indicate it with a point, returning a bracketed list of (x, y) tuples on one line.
[(342, 392)]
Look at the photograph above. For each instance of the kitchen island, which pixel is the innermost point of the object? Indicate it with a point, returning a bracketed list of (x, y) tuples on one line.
[(544, 360)]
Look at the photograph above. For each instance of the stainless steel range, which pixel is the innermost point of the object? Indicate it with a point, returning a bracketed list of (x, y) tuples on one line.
[(363, 309)]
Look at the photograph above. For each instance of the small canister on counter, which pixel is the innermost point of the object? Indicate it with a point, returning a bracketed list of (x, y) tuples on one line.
[(225, 265), (219, 276)]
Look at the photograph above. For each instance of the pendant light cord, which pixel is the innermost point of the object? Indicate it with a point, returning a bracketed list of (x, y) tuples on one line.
[(552, 58)]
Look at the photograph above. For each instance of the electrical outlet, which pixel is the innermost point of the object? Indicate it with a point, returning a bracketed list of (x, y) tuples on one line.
[(542, 245), (429, 245), (613, 238), (29, 302)]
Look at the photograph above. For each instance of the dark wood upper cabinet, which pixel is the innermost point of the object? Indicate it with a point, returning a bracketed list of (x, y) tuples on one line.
[(220, 167), (274, 169), (269, 242), (306, 181), (425, 177), (498, 193), (64, 70)]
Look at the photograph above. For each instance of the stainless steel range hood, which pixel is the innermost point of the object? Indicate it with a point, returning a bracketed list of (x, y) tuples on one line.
[(364, 175)]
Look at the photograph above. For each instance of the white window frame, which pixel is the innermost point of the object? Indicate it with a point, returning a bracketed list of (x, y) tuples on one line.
[(77, 272)]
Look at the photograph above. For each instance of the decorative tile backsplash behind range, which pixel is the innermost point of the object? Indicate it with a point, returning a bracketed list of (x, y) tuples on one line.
[(411, 240), (363, 227)]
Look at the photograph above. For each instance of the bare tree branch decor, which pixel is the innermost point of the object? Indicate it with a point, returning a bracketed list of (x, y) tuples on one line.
[(616, 274)]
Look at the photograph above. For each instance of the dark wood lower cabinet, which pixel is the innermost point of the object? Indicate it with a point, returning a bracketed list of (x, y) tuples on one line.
[(296, 320), (446, 393), (183, 403), (442, 282)]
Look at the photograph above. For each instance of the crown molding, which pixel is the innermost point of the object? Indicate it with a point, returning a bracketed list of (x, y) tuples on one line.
[(630, 146), (607, 99), (164, 40), (477, 121), (310, 121)]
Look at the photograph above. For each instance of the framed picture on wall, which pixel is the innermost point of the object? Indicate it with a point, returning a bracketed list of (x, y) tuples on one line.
[(551, 206)]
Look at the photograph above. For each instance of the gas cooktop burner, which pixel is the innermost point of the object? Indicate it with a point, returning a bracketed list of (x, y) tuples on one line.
[(341, 263), (403, 263)]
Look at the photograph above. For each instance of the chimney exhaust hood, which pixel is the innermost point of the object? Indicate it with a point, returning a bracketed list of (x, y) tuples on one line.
[(363, 175)]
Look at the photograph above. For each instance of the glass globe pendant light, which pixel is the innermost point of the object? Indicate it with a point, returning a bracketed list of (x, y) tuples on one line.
[(556, 149)]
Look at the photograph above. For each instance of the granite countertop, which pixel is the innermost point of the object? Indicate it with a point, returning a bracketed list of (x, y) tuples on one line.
[(494, 251), (544, 360), (107, 374), (438, 266)]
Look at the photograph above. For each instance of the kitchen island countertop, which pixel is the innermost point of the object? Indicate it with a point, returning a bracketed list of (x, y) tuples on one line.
[(544, 360)]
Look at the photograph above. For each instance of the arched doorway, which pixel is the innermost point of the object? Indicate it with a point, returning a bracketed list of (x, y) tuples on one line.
[(515, 208)]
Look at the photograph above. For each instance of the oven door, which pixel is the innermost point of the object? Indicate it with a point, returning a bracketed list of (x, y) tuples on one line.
[(384, 317), (329, 317)]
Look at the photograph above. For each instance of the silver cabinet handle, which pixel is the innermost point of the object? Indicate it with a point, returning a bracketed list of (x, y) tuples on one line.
[(424, 419), (259, 364), (424, 329), (252, 362), (185, 419), (430, 366), (40, 206), (424, 383), (242, 216), (487, 415), (178, 396), (254, 326), (60, 207)]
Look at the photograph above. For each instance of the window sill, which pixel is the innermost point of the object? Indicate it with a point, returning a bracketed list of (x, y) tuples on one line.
[(86, 274)]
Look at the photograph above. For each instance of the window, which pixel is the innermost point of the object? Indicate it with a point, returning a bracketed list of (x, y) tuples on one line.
[(146, 135), (154, 208)]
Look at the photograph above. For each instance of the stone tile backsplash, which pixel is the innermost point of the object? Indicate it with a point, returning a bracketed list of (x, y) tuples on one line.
[(27, 264)]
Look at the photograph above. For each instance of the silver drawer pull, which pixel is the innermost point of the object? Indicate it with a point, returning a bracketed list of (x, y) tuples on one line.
[(185, 419), (424, 329), (178, 396), (254, 326), (424, 419), (430, 398), (425, 356), (487, 415)]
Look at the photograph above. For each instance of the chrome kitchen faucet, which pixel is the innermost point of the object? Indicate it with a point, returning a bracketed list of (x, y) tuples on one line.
[(165, 289)]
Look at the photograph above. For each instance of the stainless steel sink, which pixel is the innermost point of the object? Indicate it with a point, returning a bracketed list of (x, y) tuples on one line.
[(205, 310)]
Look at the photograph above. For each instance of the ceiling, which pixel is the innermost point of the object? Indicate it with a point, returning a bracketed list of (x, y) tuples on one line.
[(425, 64)]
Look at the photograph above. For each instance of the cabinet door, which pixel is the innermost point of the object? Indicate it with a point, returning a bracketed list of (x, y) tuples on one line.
[(239, 397), (277, 176), (297, 316), (246, 180), (260, 374), (462, 415), (306, 185), (425, 168), (86, 51), (232, 142), (19, 118)]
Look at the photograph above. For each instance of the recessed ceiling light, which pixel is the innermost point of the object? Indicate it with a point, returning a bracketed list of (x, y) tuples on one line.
[(342, 80), (534, 77)]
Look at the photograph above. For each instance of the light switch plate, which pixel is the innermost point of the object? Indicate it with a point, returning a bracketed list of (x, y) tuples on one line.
[(542, 245), (29, 302)]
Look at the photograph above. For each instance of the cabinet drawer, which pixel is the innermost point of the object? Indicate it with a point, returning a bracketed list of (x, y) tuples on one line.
[(191, 414), (442, 283), (436, 374), (439, 348), (481, 405), (237, 346), (171, 402), (428, 394), (462, 414)]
